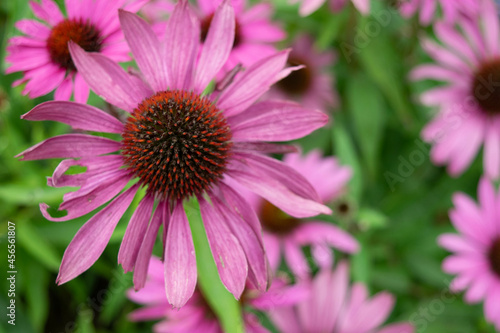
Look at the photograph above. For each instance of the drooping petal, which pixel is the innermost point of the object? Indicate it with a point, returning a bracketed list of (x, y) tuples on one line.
[(88, 201), (90, 241), (146, 249), (108, 80), (249, 239), (180, 259), (226, 250), (70, 146), (217, 46), (275, 121), (78, 116), (132, 240), (146, 49)]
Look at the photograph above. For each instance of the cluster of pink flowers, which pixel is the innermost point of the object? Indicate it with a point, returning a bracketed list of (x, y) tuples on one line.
[(467, 60), (209, 102)]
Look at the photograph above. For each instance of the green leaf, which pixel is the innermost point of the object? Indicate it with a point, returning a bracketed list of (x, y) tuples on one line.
[(370, 218), (37, 295), (380, 59), (29, 238), (223, 303), (346, 152), (367, 111)]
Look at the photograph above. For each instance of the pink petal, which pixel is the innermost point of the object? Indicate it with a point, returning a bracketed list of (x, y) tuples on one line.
[(82, 89), (226, 250), (47, 11), (295, 259), (319, 232), (309, 6), (146, 49), (180, 259), (63, 92), (78, 116), (491, 149), (90, 241), (278, 194), (108, 80), (146, 249), (455, 243), (251, 84), (33, 29), (275, 121), (70, 146), (134, 235), (217, 46), (249, 239), (88, 201), (181, 46)]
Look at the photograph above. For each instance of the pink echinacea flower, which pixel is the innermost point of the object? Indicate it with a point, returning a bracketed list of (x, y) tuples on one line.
[(43, 55), (177, 143), (469, 100), (476, 249)]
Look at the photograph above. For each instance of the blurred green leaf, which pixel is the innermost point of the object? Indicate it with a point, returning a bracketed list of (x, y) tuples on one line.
[(370, 219), (221, 301), (368, 113), (346, 152), (37, 246), (37, 296)]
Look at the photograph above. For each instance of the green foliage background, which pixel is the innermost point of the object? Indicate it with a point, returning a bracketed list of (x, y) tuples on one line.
[(375, 130)]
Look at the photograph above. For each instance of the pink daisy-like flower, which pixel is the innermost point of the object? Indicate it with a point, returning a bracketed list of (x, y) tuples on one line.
[(310, 85), (43, 55), (286, 235), (197, 315), (469, 102), (254, 33), (476, 250), (308, 7), (427, 9), (177, 143), (335, 306)]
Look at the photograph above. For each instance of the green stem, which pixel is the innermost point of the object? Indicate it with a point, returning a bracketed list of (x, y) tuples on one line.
[(222, 302)]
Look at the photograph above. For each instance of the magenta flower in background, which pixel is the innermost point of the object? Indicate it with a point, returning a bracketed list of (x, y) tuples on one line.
[(308, 7), (177, 144), (286, 235), (335, 306), (197, 315), (476, 249), (312, 84), (427, 10), (43, 55), (254, 32), (469, 101)]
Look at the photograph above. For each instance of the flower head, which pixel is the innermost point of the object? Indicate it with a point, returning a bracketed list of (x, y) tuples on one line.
[(469, 107), (197, 315), (336, 306), (312, 84), (476, 249), (43, 54), (286, 235), (177, 143)]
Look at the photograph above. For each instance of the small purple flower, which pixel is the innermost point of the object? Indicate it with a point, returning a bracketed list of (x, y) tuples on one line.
[(43, 55), (177, 142), (476, 249)]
